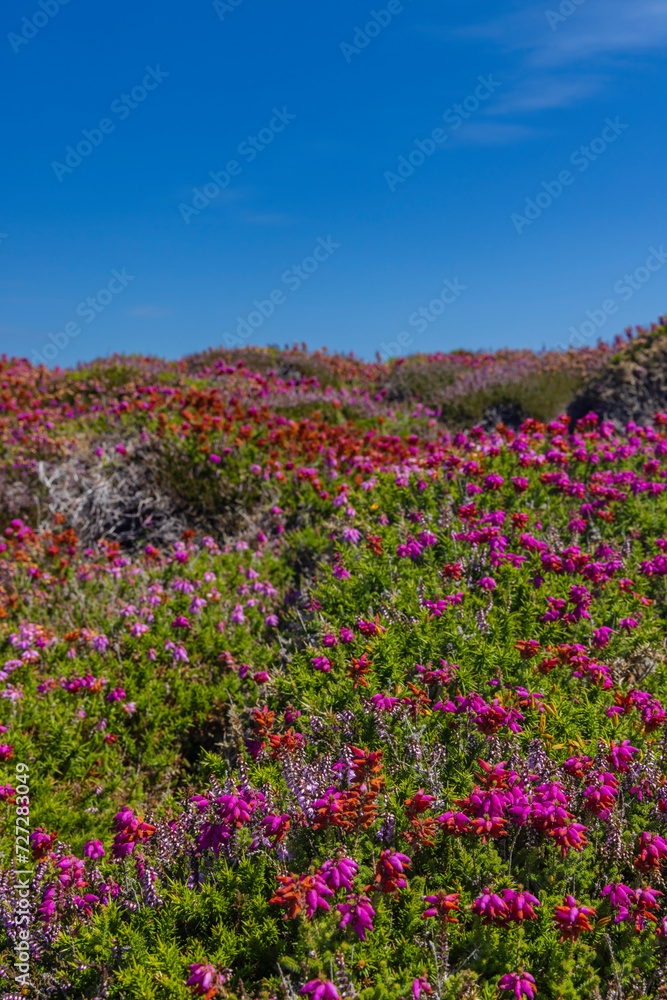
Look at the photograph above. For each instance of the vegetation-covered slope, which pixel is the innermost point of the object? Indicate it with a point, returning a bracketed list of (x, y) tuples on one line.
[(305, 691)]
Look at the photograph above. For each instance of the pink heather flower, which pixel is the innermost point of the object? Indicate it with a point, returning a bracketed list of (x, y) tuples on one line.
[(151, 654), (620, 755), (261, 677), (601, 636), (487, 583), (321, 989), (441, 906), (321, 663), (520, 483), (359, 912), (121, 449), (419, 986), (491, 908), (628, 624), (203, 979), (652, 849), (138, 629), (521, 984), (351, 535), (94, 849), (571, 918), (346, 635), (215, 459), (329, 640), (339, 873), (384, 702), (271, 620), (619, 894), (180, 621), (521, 905), (493, 481), (237, 615)]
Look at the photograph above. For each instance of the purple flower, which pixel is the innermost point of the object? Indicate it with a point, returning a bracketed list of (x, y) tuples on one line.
[(339, 873), (351, 535), (601, 636), (94, 849), (203, 978), (237, 615), (487, 583), (329, 640), (320, 989), (321, 663), (359, 912), (627, 624), (419, 986), (621, 754), (521, 984), (271, 620)]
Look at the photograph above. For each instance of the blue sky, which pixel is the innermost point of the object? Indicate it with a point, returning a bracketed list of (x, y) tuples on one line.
[(349, 186)]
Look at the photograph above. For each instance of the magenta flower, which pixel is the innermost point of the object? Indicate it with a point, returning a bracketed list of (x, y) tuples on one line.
[(384, 702), (329, 640), (321, 989), (419, 986), (216, 459), (493, 481), (491, 908), (321, 663), (180, 621), (237, 615), (346, 635), (351, 535), (521, 984), (203, 979), (359, 912), (487, 583), (601, 636), (339, 873), (628, 624), (620, 755)]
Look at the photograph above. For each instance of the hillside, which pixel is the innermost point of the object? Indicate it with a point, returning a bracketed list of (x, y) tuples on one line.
[(328, 678)]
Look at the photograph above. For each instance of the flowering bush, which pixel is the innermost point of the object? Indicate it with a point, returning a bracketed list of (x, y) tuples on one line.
[(379, 712)]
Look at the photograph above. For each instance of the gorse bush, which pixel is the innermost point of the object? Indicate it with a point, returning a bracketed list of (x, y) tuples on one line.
[(359, 707)]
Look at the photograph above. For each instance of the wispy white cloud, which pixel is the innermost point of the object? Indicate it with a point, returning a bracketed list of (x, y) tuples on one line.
[(494, 133), (558, 62), (546, 92)]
